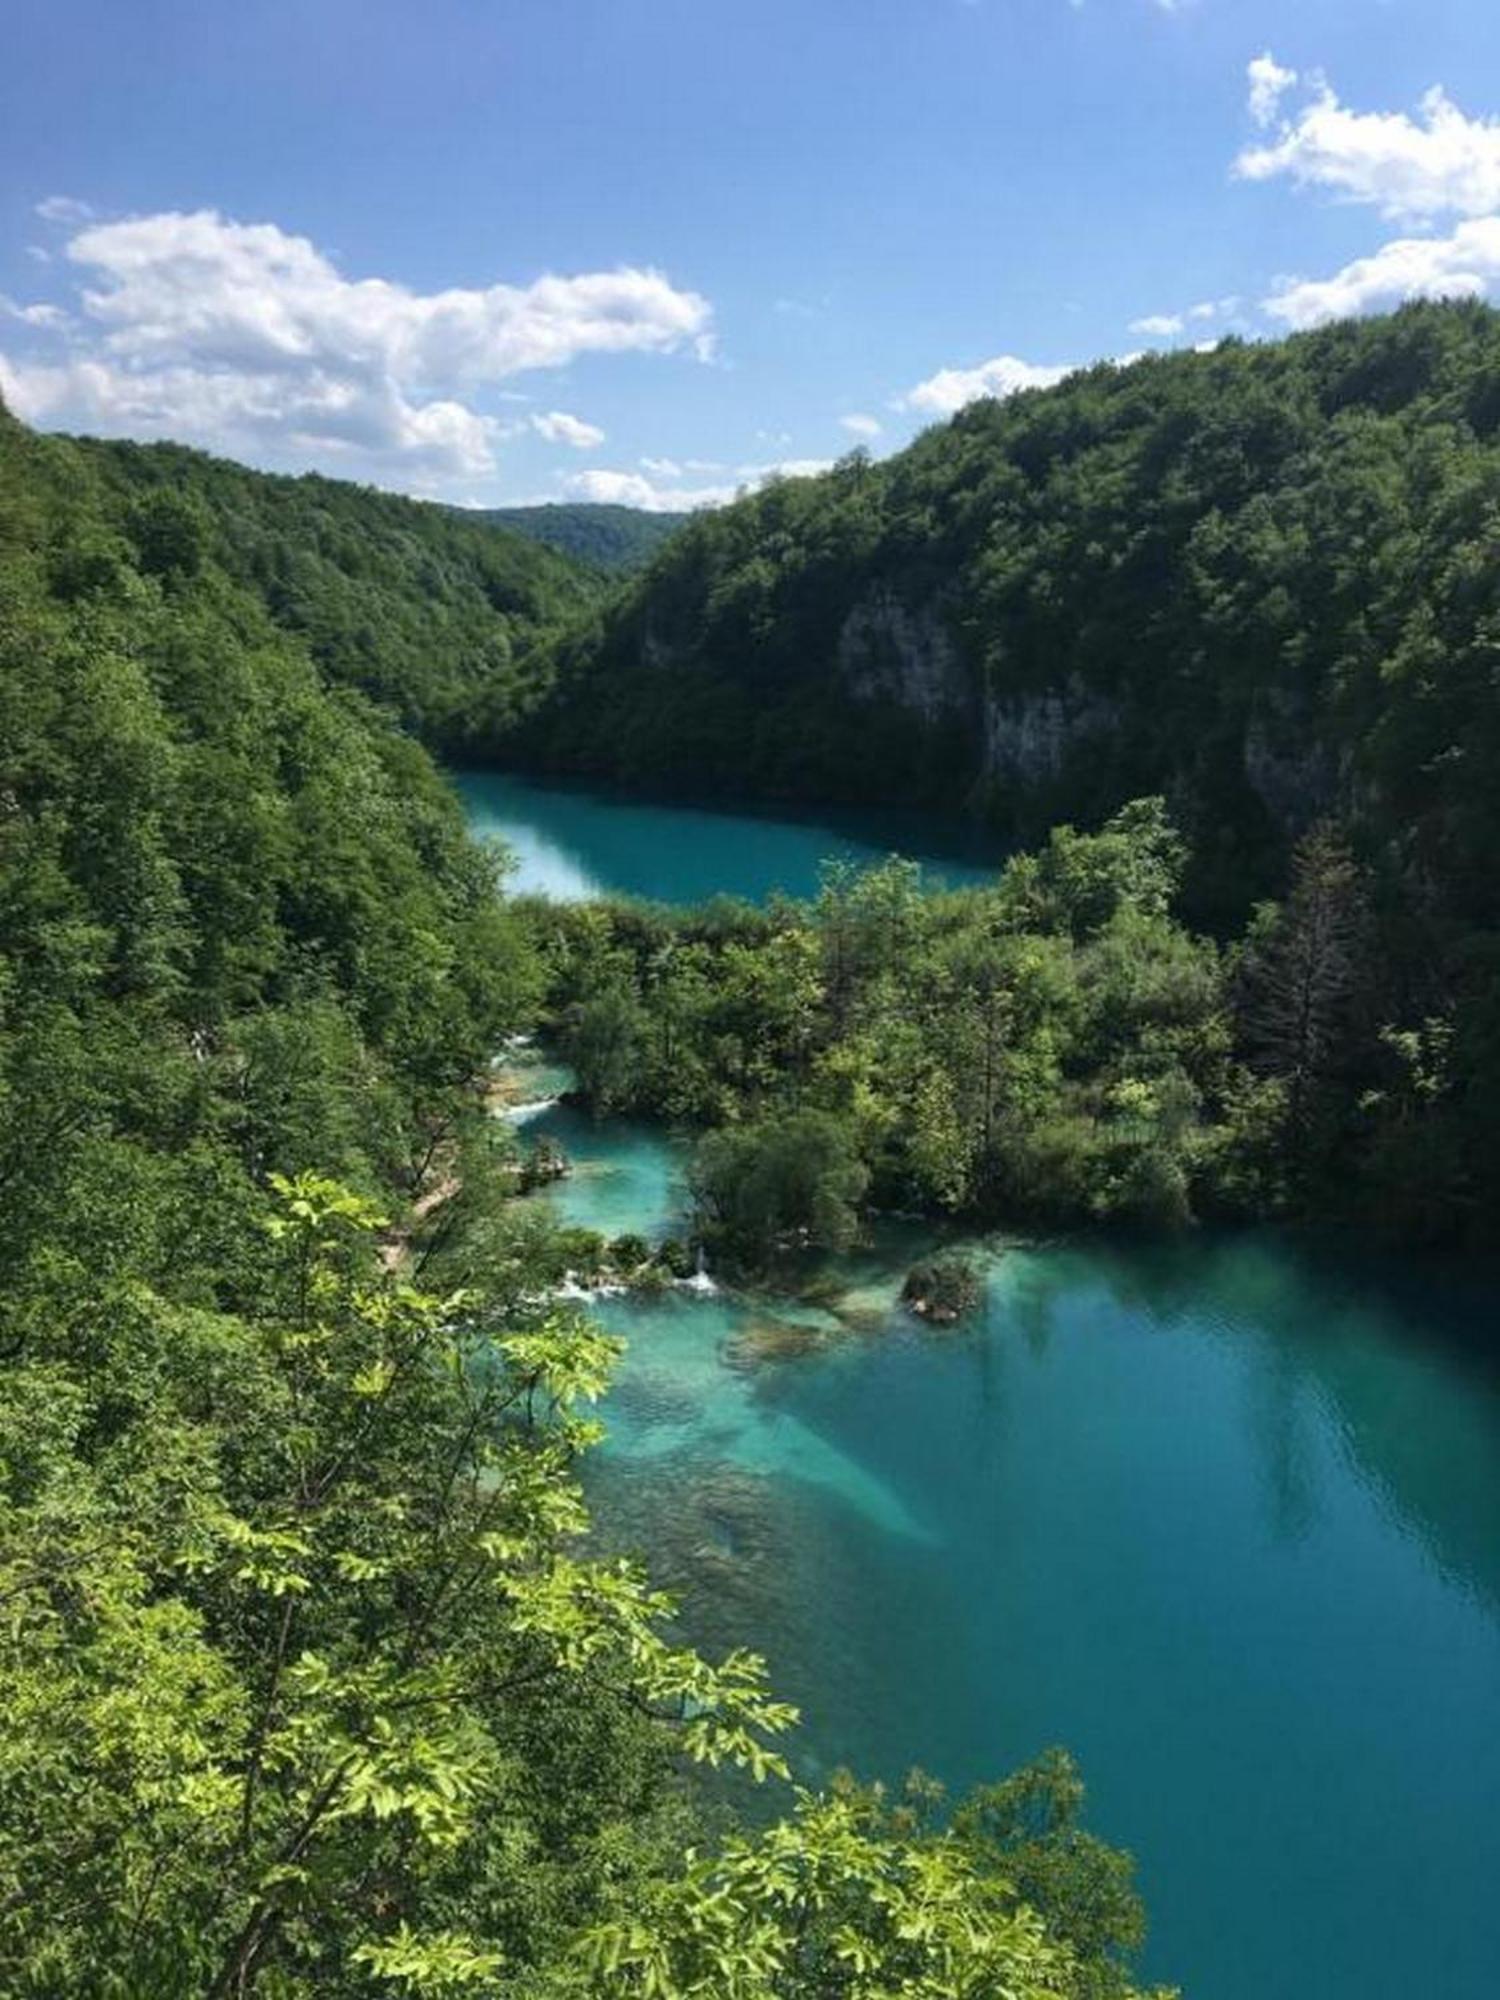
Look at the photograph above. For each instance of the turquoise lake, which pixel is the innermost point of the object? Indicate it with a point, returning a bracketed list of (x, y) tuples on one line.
[(572, 843), (1221, 1515)]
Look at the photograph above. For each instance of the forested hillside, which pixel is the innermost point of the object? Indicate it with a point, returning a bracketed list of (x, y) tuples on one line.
[(1260, 581), (310, 1682), (605, 536), (429, 609)]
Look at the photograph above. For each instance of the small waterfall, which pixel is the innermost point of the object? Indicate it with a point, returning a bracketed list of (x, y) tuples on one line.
[(700, 1280), (522, 1114)]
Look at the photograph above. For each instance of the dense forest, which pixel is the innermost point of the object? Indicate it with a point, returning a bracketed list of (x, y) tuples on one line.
[(1258, 581), (431, 610), (1059, 1048), (603, 535), (313, 1682), (1257, 584)]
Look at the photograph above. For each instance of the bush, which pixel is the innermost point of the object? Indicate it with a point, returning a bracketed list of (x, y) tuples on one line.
[(674, 1258), (789, 1182)]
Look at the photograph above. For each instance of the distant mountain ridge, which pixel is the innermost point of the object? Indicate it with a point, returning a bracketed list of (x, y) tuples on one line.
[(607, 537)]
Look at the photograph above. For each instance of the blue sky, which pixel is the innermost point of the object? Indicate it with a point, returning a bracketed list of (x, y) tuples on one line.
[(518, 249)]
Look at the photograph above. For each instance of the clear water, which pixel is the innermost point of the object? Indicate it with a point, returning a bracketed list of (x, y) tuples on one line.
[(572, 843), (1222, 1516)]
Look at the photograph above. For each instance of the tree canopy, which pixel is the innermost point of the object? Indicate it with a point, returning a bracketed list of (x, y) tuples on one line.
[(603, 535), (314, 1681)]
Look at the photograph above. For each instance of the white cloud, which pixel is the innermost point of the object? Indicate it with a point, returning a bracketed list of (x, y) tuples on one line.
[(1466, 263), (676, 468), (63, 208), (860, 426), (1441, 163), (1269, 83), (558, 427), (941, 394), (317, 419), (1166, 326), (666, 495), (635, 489), (51, 319), (248, 339)]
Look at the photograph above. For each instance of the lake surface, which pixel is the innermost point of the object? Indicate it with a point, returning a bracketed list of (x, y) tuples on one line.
[(1221, 1515), (573, 843)]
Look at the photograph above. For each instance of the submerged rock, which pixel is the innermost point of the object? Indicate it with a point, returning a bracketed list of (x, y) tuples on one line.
[(545, 1163), (942, 1290), (856, 1316), (772, 1340)]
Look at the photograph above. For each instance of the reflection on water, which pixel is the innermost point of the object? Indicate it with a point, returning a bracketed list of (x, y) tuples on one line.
[(1222, 1516)]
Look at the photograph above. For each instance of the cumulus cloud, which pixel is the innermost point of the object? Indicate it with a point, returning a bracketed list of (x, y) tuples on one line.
[(1167, 326), (1466, 263), (1269, 83), (558, 427), (666, 494), (1439, 163), (857, 424), (638, 489), (941, 394), (316, 419), (249, 339)]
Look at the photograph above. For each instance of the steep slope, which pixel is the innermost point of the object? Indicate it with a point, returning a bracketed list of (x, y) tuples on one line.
[(1259, 580), (241, 925), (611, 538), (428, 609), (310, 1684)]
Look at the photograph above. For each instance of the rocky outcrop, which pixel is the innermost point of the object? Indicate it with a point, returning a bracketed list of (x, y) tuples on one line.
[(1028, 738), (893, 652), (890, 651), (1288, 764), (900, 654)]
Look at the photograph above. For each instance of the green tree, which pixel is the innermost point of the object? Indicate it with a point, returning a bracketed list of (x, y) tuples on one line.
[(1301, 976), (791, 1181)]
